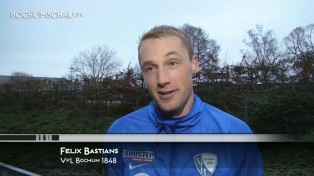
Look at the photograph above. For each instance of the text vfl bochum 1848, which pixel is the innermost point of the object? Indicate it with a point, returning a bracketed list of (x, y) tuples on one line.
[(205, 163)]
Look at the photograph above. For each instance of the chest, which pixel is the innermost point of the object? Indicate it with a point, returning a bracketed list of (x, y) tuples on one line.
[(181, 159)]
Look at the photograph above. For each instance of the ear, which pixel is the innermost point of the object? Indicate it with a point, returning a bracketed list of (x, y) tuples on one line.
[(195, 64)]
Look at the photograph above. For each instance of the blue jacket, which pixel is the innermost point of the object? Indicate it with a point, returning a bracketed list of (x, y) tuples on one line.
[(171, 159)]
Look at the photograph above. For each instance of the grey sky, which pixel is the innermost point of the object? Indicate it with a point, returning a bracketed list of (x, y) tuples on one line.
[(46, 47)]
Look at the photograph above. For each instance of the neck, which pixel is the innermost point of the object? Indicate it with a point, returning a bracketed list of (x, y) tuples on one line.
[(180, 112)]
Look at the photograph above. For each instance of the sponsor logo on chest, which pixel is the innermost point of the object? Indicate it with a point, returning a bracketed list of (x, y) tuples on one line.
[(147, 156)]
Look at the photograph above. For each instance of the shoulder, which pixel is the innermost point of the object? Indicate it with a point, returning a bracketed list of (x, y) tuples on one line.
[(131, 123), (225, 123)]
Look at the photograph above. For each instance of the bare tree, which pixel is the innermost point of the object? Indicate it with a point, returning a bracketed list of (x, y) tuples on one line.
[(92, 67), (205, 48), (262, 55), (96, 63), (21, 76), (295, 42), (309, 37), (300, 49)]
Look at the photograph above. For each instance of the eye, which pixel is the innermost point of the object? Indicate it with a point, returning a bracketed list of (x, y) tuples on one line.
[(149, 69), (173, 64)]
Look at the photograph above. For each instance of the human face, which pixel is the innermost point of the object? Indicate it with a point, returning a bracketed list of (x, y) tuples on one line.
[(167, 71)]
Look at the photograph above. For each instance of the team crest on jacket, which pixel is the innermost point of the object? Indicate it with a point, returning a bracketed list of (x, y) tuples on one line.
[(205, 163)]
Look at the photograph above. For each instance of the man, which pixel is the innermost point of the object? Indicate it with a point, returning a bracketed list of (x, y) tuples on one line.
[(167, 61)]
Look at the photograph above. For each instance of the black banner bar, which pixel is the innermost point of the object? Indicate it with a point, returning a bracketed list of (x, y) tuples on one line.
[(8, 137)]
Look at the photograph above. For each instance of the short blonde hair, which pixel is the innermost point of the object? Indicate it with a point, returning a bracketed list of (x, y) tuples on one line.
[(164, 31)]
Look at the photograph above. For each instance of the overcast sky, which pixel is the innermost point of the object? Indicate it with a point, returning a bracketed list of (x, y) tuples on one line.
[(46, 46)]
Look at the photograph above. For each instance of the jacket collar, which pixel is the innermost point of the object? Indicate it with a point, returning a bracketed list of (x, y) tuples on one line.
[(166, 125)]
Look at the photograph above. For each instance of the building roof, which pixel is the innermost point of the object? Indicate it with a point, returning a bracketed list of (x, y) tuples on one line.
[(5, 79)]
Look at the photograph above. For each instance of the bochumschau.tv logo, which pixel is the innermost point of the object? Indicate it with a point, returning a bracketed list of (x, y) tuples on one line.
[(45, 15)]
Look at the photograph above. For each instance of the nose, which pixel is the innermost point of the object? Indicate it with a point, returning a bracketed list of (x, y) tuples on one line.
[(162, 78)]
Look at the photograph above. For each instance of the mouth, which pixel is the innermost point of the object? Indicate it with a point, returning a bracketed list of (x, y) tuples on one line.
[(166, 95)]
